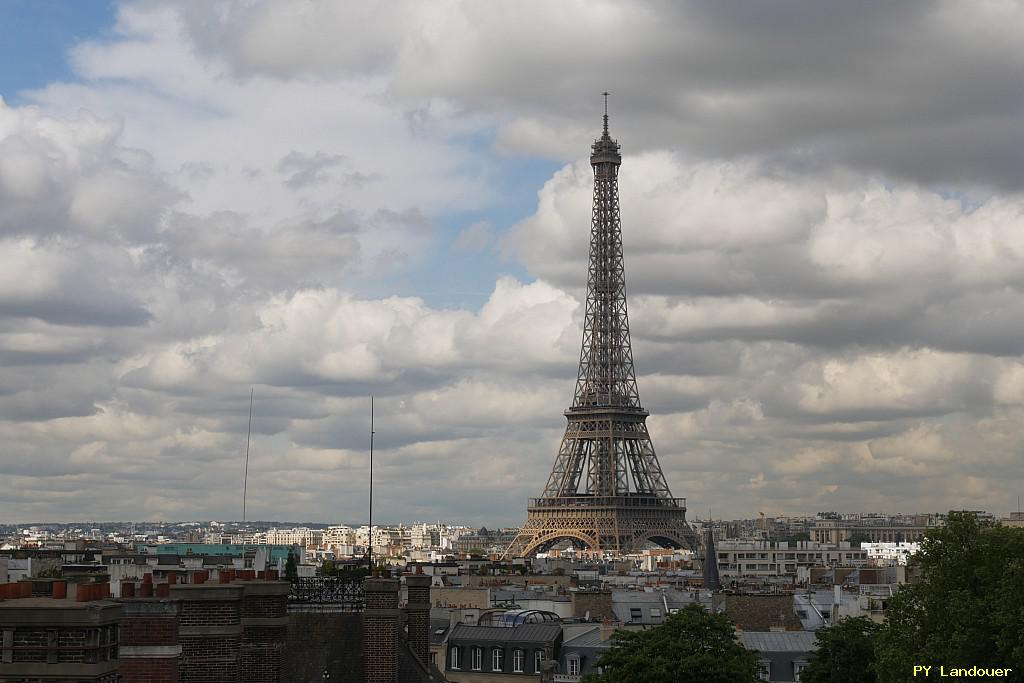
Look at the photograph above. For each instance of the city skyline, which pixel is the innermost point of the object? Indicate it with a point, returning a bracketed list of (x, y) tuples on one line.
[(822, 211)]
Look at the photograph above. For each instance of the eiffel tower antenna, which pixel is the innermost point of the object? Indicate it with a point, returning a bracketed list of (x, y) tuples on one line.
[(606, 491), (248, 433), (606, 94), (369, 546)]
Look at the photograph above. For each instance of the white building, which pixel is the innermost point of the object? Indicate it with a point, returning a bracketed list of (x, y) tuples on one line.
[(298, 536), (889, 554), (339, 536), (738, 558)]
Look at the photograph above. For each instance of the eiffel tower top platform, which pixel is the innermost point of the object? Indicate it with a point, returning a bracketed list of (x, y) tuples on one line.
[(606, 491)]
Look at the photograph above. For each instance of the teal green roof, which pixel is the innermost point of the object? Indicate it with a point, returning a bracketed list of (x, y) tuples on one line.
[(277, 552)]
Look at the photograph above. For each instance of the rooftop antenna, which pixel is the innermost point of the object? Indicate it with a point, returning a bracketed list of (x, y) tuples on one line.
[(248, 433), (369, 545), (606, 94)]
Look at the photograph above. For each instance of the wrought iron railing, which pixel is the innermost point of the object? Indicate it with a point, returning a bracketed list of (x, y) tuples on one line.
[(629, 501), (328, 590)]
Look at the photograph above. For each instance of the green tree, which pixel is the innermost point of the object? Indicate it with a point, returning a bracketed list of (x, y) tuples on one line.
[(291, 569), (691, 646), (966, 610), (845, 653)]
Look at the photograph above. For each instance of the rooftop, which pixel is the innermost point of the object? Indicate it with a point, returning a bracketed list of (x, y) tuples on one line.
[(784, 641), (524, 633)]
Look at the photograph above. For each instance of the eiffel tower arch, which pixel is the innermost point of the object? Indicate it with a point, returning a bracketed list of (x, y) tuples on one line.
[(606, 490)]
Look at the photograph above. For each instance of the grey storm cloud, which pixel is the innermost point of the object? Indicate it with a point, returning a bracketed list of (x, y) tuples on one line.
[(821, 212), (925, 91)]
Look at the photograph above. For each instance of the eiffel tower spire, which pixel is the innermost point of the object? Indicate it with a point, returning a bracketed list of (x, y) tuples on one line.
[(606, 490)]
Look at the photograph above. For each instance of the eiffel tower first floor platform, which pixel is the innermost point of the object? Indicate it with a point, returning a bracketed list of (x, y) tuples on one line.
[(615, 524)]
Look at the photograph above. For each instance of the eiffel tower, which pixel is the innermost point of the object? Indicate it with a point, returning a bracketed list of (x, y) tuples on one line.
[(606, 491)]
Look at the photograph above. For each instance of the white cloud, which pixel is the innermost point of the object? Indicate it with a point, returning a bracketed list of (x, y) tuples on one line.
[(243, 194)]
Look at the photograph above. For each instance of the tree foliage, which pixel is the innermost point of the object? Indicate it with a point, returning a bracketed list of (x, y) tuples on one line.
[(966, 610), (691, 646), (845, 653)]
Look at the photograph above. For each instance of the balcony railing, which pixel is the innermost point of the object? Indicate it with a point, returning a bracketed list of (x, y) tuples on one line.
[(630, 501), (328, 590)]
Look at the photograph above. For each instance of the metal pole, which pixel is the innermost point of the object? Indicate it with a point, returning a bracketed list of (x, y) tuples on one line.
[(369, 545), (248, 433)]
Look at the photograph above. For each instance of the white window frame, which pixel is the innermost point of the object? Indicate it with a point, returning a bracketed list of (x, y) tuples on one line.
[(476, 658), (764, 670), (573, 667), (518, 659), (538, 659), (497, 659), (453, 657)]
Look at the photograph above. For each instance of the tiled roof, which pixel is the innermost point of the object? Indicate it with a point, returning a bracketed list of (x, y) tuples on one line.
[(525, 633), (778, 641), (591, 638)]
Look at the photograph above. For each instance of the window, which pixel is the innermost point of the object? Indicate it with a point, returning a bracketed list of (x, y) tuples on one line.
[(655, 613), (453, 658), (538, 659), (497, 659), (433, 658), (635, 614), (764, 670), (476, 658), (798, 668), (517, 661), (574, 666)]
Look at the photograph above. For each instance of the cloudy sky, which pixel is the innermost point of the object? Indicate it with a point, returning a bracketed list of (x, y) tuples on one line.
[(823, 215)]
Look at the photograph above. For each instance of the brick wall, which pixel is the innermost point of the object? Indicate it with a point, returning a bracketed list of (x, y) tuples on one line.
[(597, 603), (150, 651), (321, 640), (418, 615), (210, 632), (58, 639), (264, 612), (380, 639)]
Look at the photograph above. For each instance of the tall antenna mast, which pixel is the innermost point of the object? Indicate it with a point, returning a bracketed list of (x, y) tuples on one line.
[(248, 433), (606, 94), (369, 545)]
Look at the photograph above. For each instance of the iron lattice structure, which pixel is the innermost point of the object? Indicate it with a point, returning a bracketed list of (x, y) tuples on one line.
[(328, 590), (606, 490)]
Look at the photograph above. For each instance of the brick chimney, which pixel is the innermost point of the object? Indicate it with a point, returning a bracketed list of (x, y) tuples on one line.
[(380, 633), (210, 631), (418, 612), (149, 647)]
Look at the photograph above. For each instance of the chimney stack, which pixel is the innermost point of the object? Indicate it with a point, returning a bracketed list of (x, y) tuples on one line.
[(418, 612), (380, 635)]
